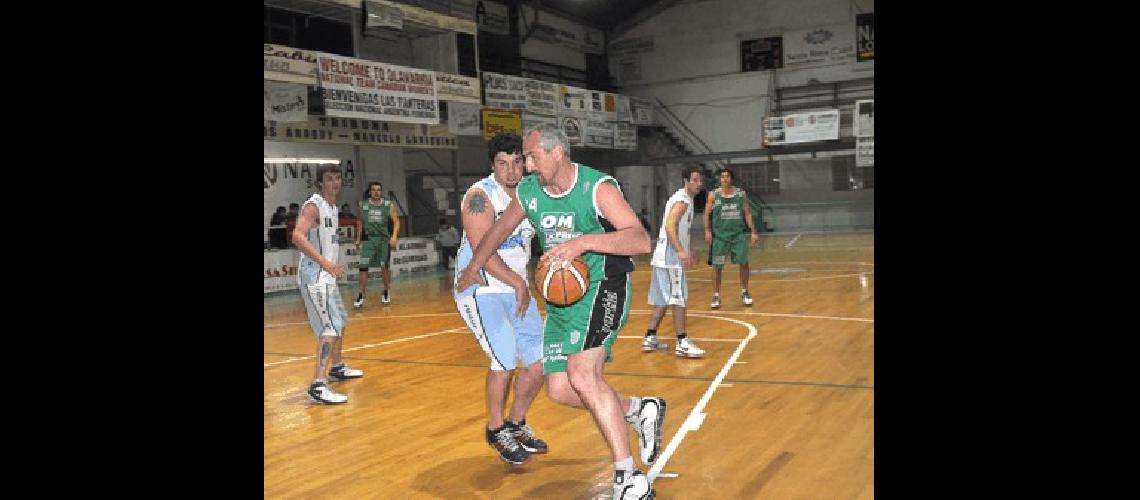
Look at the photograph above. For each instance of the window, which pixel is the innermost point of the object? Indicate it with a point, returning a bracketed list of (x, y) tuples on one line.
[(845, 176)]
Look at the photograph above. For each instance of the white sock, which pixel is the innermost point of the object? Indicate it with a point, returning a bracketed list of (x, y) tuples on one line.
[(634, 405), (624, 465)]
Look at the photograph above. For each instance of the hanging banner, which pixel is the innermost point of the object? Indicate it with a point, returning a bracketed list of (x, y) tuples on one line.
[(456, 88), (573, 127), (493, 17), (599, 134), (865, 37), (802, 127), (824, 46), (383, 14), (864, 151), (597, 106), (497, 120), (541, 97), (625, 136), (286, 64), (571, 101), (286, 102), (463, 118), (641, 111), (531, 120), (504, 91), (332, 130), (356, 88), (623, 113), (864, 123)]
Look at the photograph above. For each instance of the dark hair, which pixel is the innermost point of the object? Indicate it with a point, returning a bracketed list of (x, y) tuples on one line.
[(730, 174), (442, 221), (326, 169), (295, 205), (279, 209), (689, 172), (368, 189), (504, 142)]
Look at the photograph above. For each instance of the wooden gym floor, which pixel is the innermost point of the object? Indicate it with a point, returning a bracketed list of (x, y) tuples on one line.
[(782, 405)]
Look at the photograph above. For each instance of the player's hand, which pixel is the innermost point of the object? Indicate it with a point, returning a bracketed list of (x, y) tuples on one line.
[(686, 259), (470, 275), (562, 252), (755, 238), (392, 241), (708, 235), (333, 269), (522, 298)]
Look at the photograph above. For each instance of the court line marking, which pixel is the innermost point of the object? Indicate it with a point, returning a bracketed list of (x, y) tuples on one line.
[(638, 311), (697, 416), (369, 346), (792, 279), (793, 242)]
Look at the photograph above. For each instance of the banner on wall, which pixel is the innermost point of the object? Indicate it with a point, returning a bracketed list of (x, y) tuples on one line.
[(599, 134), (531, 120), (541, 97), (456, 88), (762, 54), (823, 46), (285, 102), (625, 136), (574, 128), (286, 64), (641, 111), (864, 122), (865, 37), (504, 91), (440, 21), (493, 17), (356, 88), (334, 130), (622, 112), (463, 118), (497, 120), (572, 101), (864, 151), (801, 127)]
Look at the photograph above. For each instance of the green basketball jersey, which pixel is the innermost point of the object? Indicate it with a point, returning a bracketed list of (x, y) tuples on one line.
[(572, 214), (728, 212), (375, 217)]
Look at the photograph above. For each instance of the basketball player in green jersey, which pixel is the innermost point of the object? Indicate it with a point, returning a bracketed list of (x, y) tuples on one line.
[(378, 244), (579, 211), (728, 208)]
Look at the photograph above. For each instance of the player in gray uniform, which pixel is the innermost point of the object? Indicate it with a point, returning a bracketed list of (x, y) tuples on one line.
[(315, 237), (668, 285)]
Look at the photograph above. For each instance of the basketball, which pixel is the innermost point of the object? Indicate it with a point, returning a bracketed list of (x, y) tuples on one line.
[(562, 286)]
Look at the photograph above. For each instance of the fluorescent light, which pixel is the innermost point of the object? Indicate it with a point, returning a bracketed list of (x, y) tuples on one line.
[(319, 161)]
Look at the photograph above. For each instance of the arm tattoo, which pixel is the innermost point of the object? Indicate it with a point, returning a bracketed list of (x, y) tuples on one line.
[(477, 205)]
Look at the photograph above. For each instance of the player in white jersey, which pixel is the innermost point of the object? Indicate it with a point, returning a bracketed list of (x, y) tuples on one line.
[(315, 236), (668, 285), (506, 324)]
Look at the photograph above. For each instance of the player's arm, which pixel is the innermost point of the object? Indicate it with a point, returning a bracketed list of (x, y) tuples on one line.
[(672, 222), (748, 215), (708, 210), (309, 218), (478, 217), (395, 224), (489, 244), (628, 238)]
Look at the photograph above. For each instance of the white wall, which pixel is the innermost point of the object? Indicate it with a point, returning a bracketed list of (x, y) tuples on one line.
[(373, 163), (707, 90)]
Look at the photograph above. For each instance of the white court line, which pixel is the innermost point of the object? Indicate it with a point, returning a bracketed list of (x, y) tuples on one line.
[(693, 421), (638, 311), (369, 346), (776, 314), (639, 337), (793, 242), (430, 314), (793, 279)]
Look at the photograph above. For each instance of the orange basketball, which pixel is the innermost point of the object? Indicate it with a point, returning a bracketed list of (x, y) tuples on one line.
[(561, 286)]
